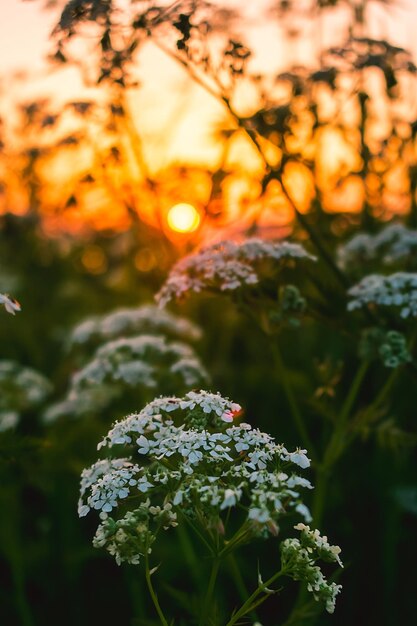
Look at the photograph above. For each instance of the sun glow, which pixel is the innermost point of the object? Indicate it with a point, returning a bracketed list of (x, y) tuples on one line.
[(183, 218)]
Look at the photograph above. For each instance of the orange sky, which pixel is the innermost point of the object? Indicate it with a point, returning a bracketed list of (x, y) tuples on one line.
[(24, 32), (175, 117), (25, 27)]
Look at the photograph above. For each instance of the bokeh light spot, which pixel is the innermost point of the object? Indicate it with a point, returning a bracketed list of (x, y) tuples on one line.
[(94, 260), (145, 260), (183, 218)]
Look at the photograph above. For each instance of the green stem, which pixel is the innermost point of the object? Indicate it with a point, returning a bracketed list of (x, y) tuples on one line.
[(237, 577), (238, 538), (337, 445), (300, 614), (136, 594), (189, 553), (199, 534), (247, 606), (335, 448), (11, 548), (21, 601), (362, 419), (353, 393), (292, 402), (240, 583), (206, 610), (153, 594), (339, 440)]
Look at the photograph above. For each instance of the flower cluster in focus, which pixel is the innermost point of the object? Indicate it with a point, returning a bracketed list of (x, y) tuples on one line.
[(187, 457), (299, 557)]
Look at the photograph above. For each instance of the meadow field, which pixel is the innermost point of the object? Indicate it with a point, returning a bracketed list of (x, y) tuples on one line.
[(208, 294)]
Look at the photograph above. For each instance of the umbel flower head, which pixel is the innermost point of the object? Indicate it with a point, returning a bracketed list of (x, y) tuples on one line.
[(228, 266), (397, 291), (393, 244), (187, 458), (141, 360), (300, 555), (21, 389), (133, 363), (147, 319)]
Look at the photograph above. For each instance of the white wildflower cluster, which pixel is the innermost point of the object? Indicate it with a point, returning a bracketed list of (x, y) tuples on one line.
[(299, 556), (397, 290), (148, 319), (392, 244), (228, 266), (81, 402), (135, 363), (10, 304), (21, 389), (141, 360), (108, 480), (200, 406), (187, 457), (129, 538)]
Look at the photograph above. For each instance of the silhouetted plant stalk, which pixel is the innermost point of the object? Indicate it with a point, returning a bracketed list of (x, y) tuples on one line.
[(221, 97)]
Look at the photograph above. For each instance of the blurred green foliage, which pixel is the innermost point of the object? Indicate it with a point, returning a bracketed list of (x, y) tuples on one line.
[(48, 567)]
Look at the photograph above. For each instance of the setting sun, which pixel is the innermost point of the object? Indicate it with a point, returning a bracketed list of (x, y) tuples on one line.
[(183, 218)]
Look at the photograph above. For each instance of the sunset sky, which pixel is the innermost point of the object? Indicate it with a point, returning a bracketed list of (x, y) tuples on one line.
[(174, 117), (24, 33), (25, 27)]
